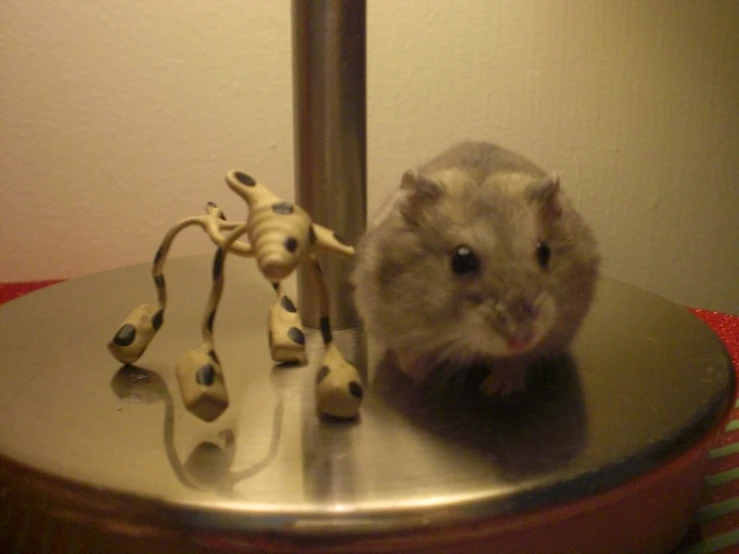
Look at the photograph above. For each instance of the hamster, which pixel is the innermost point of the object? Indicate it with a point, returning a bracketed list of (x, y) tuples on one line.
[(478, 258)]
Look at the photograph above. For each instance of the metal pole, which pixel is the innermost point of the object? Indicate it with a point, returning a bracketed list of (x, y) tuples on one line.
[(330, 137)]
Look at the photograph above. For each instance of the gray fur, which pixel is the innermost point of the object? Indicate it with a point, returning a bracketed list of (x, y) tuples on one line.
[(500, 205)]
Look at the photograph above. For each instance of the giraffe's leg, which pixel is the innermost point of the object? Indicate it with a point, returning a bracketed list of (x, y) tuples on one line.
[(138, 329), (135, 333), (286, 337), (199, 372), (339, 389), (202, 386)]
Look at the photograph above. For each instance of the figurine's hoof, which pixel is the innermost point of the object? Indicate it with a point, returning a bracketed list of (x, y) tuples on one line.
[(339, 389), (286, 337), (136, 333), (201, 383)]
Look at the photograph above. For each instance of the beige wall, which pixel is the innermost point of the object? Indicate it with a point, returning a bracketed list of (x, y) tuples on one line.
[(119, 117)]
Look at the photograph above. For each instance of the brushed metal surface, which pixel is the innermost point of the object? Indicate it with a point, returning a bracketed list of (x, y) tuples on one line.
[(645, 379), (329, 73)]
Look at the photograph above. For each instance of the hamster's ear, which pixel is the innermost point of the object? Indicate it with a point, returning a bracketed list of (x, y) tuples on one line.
[(419, 193), (545, 194)]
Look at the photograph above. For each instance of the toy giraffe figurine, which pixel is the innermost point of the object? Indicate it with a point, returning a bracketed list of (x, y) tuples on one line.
[(281, 237)]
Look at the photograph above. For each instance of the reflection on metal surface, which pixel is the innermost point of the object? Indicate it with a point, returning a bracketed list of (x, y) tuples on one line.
[(138, 385), (205, 466), (448, 407), (643, 382)]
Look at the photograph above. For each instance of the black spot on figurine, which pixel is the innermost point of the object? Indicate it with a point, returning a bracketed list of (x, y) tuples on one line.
[(158, 255), (325, 325), (159, 281), (213, 356), (125, 335), (288, 305), (356, 390), (312, 235), (205, 375), (275, 284), (339, 239), (211, 319), (223, 216), (212, 204), (296, 335), (157, 319), (291, 244), (282, 208), (218, 264), (244, 179), (322, 373)]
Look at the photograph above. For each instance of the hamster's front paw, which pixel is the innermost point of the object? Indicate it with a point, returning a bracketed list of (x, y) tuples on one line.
[(504, 380), (416, 367)]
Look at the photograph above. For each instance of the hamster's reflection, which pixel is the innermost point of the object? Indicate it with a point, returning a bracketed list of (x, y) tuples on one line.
[(538, 430)]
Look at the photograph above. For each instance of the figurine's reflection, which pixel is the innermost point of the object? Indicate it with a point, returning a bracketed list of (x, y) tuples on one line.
[(208, 465)]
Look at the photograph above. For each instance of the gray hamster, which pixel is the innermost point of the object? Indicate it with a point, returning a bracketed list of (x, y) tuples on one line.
[(478, 258)]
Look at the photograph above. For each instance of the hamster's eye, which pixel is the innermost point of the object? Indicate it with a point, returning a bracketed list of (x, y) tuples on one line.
[(464, 260), (543, 254)]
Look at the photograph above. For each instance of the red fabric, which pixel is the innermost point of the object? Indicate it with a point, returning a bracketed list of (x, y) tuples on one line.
[(9, 291), (722, 529), (726, 327)]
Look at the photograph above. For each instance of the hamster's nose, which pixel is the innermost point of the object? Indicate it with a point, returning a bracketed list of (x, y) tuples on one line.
[(521, 339)]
